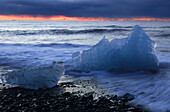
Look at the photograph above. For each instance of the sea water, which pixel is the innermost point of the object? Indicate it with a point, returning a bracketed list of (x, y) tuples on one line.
[(29, 44)]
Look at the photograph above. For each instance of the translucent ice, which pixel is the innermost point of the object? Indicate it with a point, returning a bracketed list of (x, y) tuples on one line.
[(133, 53), (35, 78)]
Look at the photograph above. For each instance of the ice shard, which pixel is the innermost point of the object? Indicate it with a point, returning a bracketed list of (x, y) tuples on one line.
[(35, 78), (133, 53)]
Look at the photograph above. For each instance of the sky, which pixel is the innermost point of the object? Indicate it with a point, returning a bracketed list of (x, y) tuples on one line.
[(87, 8)]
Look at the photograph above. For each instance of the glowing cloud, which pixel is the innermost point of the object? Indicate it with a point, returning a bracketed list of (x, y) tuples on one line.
[(65, 18)]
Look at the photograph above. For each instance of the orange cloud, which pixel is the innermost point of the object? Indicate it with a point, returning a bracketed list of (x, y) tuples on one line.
[(65, 18)]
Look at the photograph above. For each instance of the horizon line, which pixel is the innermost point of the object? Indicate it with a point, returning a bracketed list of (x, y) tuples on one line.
[(66, 18)]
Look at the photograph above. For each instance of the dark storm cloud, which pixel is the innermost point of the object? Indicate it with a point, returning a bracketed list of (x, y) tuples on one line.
[(87, 8)]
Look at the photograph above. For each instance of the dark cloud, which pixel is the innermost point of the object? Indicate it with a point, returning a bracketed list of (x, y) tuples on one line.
[(87, 8)]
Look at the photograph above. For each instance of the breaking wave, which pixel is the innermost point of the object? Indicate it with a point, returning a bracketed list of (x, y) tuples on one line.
[(45, 45), (61, 31)]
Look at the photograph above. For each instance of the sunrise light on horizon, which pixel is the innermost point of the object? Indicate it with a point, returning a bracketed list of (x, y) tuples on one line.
[(66, 18)]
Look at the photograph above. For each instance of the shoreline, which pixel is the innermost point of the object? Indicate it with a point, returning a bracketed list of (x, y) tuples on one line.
[(78, 95)]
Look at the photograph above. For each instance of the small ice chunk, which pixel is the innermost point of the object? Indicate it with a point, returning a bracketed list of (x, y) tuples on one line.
[(35, 78), (133, 53)]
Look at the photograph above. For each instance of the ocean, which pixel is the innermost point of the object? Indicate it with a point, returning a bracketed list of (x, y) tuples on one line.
[(29, 44)]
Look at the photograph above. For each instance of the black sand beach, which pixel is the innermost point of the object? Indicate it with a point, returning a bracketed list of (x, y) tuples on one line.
[(68, 96)]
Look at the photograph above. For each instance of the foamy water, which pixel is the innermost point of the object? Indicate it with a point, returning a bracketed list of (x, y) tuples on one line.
[(26, 44), (150, 90)]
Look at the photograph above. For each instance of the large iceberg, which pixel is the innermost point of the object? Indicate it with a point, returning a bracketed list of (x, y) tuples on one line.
[(133, 53), (35, 78)]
